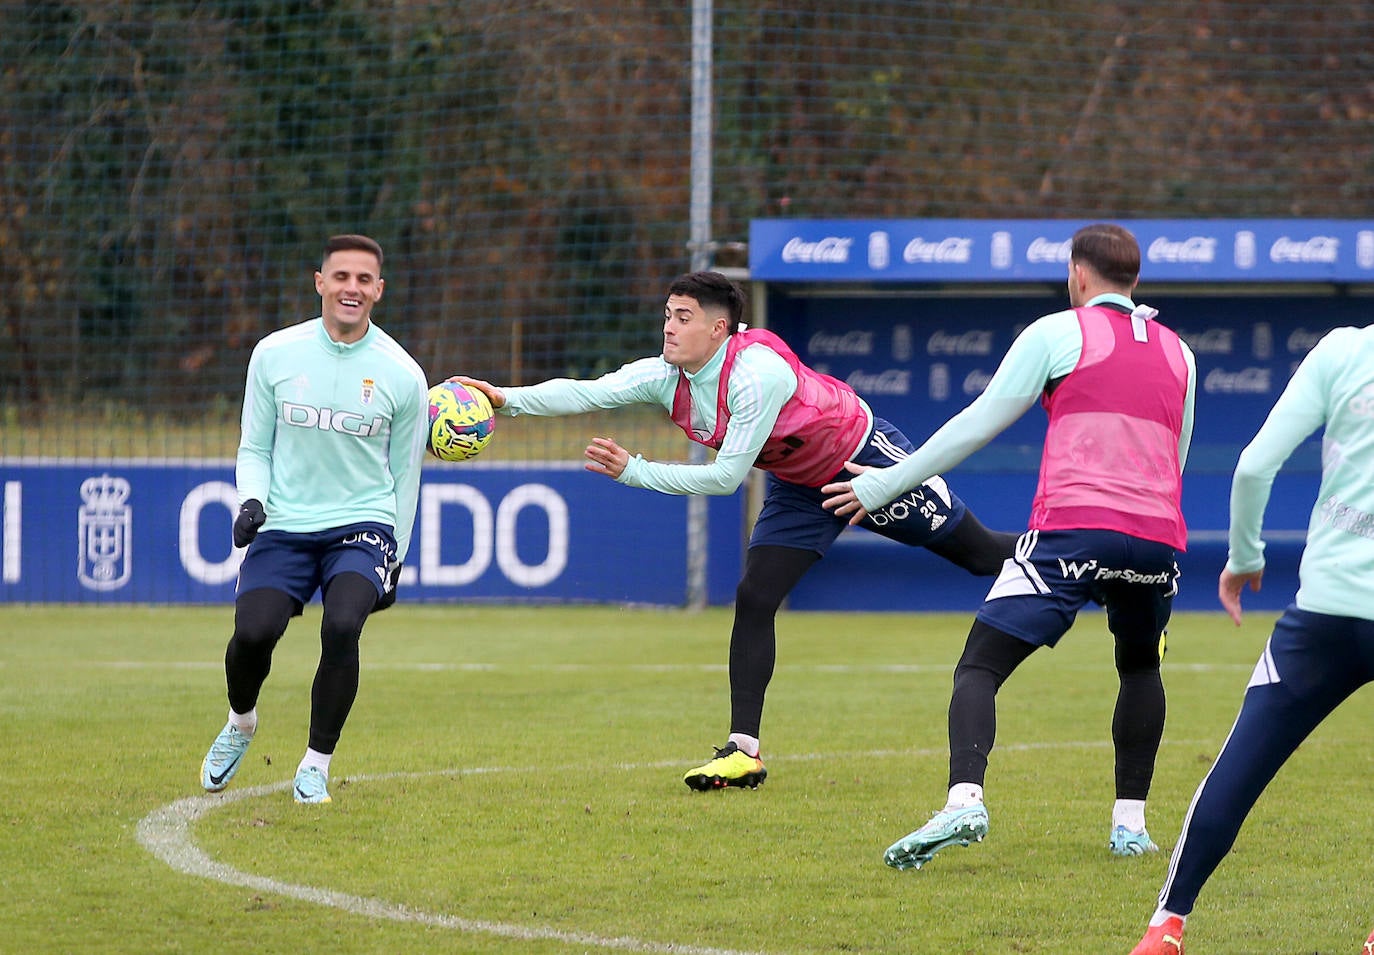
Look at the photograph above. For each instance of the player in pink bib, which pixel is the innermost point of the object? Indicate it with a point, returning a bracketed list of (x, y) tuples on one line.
[(745, 394), (1105, 525)]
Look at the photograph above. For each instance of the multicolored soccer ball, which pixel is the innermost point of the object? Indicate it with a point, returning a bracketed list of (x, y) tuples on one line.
[(461, 421)]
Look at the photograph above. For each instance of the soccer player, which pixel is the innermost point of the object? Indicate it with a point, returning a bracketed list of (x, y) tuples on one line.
[(744, 393), (1322, 647), (328, 472), (1105, 524)]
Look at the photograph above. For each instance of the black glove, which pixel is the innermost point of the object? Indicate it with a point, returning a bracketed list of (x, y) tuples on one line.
[(388, 596), (251, 517)]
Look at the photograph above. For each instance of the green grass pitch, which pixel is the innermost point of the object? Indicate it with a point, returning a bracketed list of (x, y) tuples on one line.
[(510, 781)]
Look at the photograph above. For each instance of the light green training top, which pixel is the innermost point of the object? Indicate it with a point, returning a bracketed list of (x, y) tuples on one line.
[(1048, 348), (760, 384), (333, 433), (1333, 387)]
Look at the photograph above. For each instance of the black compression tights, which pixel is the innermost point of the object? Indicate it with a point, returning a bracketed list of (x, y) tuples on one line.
[(260, 619), (975, 548), (1138, 722), (348, 599), (770, 573), (989, 658)]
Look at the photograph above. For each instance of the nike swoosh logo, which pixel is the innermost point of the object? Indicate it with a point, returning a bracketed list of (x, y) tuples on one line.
[(216, 780)]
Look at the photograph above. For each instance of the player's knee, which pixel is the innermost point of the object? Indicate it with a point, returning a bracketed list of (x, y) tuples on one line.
[(976, 549), (1137, 656), (260, 619), (977, 676), (752, 598), (339, 637), (342, 625), (339, 652)]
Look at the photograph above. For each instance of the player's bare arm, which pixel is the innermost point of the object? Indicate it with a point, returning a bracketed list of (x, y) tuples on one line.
[(494, 394), (606, 457)]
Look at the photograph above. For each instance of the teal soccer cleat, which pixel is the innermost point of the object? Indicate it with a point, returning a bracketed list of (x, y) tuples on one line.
[(222, 762), (311, 785), (1127, 842), (947, 827)]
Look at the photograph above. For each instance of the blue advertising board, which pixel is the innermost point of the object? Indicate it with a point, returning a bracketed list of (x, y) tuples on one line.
[(916, 315), (1022, 250), (919, 359), (158, 532)]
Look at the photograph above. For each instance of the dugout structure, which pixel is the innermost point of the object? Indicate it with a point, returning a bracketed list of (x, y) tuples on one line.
[(916, 314)]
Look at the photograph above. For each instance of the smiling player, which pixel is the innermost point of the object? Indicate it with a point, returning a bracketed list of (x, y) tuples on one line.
[(328, 473)]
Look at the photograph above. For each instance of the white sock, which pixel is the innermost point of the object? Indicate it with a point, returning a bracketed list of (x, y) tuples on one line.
[(245, 723), (1163, 915), (1129, 813), (319, 760), (748, 745), (963, 795)]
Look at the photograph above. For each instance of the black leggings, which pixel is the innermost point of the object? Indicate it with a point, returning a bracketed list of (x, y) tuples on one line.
[(990, 656), (260, 619), (770, 573)]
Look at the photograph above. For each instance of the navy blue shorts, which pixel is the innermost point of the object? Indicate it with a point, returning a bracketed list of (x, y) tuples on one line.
[(1320, 658), (1054, 574), (299, 564), (792, 515)]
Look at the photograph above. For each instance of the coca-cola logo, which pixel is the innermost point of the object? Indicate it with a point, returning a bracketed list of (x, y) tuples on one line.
[(1195, 248), (1318, 248), (1044, 250), (976, 381), (973, 342), (1302, 340), (833, 249), (891, 381), (1210, 341), (950, 249), (1246, 381), (849, 343)]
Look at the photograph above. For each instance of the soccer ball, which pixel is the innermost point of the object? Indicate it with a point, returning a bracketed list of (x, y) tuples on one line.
[(461, 421)]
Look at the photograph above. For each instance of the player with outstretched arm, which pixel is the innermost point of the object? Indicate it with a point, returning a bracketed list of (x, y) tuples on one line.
[(745, 394), (1105, 524)]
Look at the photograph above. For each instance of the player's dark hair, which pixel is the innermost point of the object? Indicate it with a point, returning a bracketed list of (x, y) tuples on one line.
[(360, 243), (712, 290), (1109, 250)]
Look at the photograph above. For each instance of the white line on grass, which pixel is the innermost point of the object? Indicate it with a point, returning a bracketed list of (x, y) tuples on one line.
[(166, 833)]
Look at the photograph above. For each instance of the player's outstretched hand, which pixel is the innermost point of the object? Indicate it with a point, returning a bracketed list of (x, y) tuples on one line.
[(1229, 588), (251, 517), (842, 499), (606, 457), (388, 594), (494, 394)]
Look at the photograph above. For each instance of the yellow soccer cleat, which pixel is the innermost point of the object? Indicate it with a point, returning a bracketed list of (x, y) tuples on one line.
[(731, 767)]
